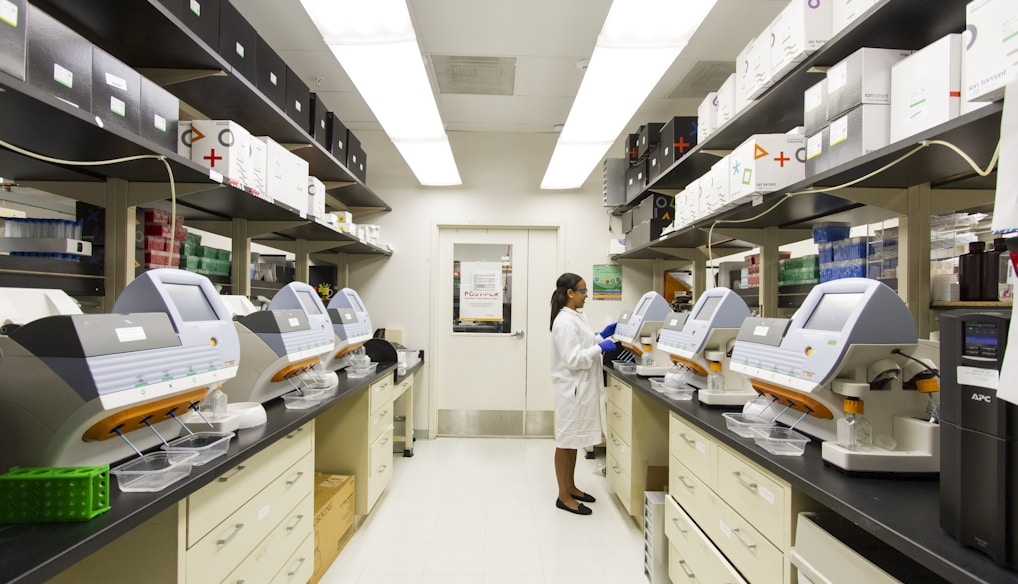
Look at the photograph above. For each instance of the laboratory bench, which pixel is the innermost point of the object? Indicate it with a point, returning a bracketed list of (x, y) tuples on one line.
[(901, 512), (38, 552)]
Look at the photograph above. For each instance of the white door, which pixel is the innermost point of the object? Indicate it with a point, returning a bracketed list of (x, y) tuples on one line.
[(492, 341)]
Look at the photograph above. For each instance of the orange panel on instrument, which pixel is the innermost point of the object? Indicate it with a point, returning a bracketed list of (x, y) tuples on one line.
[(691, 364), (349, 349), (799, 401), (637, 349), (294, 368), (131, 419)]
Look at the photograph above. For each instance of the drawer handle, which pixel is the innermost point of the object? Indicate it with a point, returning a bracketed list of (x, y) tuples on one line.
[(690, 575), (688, 486), (382, 415), (687, 440), (617, 415), (382, 467), (293, 572), (294, 433), (225, 478), (682, 531), (616, 441), (227, 539), (291, 482), (615, 467), (751, 546), (744, 482), (296, 522), (385, 440)]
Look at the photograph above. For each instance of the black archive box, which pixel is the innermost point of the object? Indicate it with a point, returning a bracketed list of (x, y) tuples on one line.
[(654, 165), (297, 96), (13, 38), (650, 134), (59, 60), (337, 138), (636, 179), (271, 74), (116, 92), (357, 158), (632, 148), (319, 128), (160, 112), (238, 41), (656, 206), (678, 137), (202, 17)]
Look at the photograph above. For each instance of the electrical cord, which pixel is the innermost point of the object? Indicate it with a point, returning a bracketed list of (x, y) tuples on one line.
[(161, 158), (919, 361)]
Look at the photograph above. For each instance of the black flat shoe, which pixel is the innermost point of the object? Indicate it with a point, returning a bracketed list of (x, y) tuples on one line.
[(581, 510), (585, 497)]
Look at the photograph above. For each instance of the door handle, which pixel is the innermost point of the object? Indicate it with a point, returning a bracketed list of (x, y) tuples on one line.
[(518, 334)]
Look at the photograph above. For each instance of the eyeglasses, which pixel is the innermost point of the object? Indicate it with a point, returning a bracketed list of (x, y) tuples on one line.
[(580, 290)]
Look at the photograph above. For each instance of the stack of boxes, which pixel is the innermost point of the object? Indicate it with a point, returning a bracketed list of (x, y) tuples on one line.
[(676, 138), (749, 276), (646, 222), (152, 237), (883, 254), (841, 256), (797, 271)]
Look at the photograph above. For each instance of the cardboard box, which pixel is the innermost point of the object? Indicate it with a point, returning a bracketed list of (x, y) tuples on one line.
[(238, 42), (297, 99), (817, 160), (926, 88), (726, 102), (678, 136), (992, 57), (967, 104), (319, 128), (116, 92), (801, 28), (59, 60), (270, 73), (316, 197), (650, 135), (766, 163), (202, 17), (860, 131), (864, 77), (185, 134), (223, 146), (707, 116), (845, 12), (334, 519), (337, 138), (160, 111), (814, 107), (13, 37), (753, 69)]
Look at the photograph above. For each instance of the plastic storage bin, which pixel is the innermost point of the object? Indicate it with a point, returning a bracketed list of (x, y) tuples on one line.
[(358, 371), (51, 495), (780, 441), (298, 401), (154, 471), (208, 445), (627, 367), (743, 424)]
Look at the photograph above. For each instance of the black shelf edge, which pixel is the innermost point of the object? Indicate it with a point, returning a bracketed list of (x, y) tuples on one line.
[(82, 278)]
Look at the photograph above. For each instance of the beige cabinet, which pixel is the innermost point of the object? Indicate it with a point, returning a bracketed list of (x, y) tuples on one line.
[(354, 437), (742, 512), (637, 437), (247, 525)]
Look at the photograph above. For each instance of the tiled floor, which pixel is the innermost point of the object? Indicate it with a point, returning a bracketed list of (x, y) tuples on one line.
[(482, 511)]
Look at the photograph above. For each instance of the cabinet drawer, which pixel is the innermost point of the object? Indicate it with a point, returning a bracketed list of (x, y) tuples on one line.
[(620, 423), (403, 386), (300, 566), (379, 420), (379, 393), (620, 394), (272, 552), (679, 570), (748, 550), (693, 544), (688, 491), (620, 481), (620, 451), (209, 506), (219, 552), (757, 496), (694, 449), (380, 466)]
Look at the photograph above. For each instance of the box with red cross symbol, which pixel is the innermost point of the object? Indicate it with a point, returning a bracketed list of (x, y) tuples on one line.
[(678, 136), (223, 146), (765, 163)]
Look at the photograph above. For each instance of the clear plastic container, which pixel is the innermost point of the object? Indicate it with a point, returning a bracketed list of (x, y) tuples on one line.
[(358, 371), (658, 385), (208, 445), (780, 441), (625, 367), (678, 393), (307, 400), (743, 424), (154, 471)]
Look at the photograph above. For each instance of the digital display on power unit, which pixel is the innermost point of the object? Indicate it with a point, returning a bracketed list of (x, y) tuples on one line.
[(981, 340)]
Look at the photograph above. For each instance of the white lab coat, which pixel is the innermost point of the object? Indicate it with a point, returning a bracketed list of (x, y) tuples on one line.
[(577, 380)]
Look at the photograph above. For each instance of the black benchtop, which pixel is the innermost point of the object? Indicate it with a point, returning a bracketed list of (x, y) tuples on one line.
[(38, 552), (904, 514)]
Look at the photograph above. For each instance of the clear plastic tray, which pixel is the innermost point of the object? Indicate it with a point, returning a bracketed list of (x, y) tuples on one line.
[(780, 441), (627, 367), (743, 424), (208, 445), (357, 371), (154, 471), (307, 400), (658, 385), (678, 393)]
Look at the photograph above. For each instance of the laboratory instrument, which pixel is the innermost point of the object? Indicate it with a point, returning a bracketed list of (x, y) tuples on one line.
[(352, 326), (702, 344), (302, 296), (636, 332), (851, 338), (92, 389)]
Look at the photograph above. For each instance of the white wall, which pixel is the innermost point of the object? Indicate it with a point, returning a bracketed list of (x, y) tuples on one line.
[(501, 176)]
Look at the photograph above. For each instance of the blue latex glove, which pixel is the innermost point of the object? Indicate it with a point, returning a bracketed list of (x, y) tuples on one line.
[(608, 330), (606, 346)]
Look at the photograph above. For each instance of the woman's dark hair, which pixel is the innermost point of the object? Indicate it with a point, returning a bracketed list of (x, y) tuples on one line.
[(560, 296)]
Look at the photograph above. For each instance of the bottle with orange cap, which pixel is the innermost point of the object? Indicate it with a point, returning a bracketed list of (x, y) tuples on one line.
[(854, 431), (715, 381)]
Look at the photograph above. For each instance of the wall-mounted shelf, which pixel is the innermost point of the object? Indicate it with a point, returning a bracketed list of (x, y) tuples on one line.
[(970, 304)]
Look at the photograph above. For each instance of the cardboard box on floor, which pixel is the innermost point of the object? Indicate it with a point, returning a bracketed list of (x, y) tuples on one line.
[(334, 519)]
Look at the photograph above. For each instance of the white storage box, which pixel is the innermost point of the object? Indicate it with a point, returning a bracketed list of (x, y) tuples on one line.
[(816, 159), (689, 211), (297, 176), (316, 197), (864, 77), (717, 197), (992, 58), (926, 88), (259, 167), (857, 133), (184, 132), (967, 105), (765, 163), (845, 12), (726, 102), (706, 117), (798, 30), (287, 177), (223, 146), (753, 68), (814, 107)]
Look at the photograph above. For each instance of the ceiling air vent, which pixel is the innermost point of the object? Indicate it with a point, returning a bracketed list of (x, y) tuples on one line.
[(703, 78), (475, 75)]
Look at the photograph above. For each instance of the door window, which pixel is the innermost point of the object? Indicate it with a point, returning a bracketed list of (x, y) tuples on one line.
[(482, 288)]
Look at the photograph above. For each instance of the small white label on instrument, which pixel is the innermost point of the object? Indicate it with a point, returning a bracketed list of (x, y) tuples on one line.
[(131, 333)]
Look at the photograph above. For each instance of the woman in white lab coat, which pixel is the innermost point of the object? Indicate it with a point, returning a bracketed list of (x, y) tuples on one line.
[(577, 382)]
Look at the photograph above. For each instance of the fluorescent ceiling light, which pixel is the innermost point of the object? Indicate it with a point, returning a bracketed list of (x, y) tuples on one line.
[(374, 41), (638, 43)]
